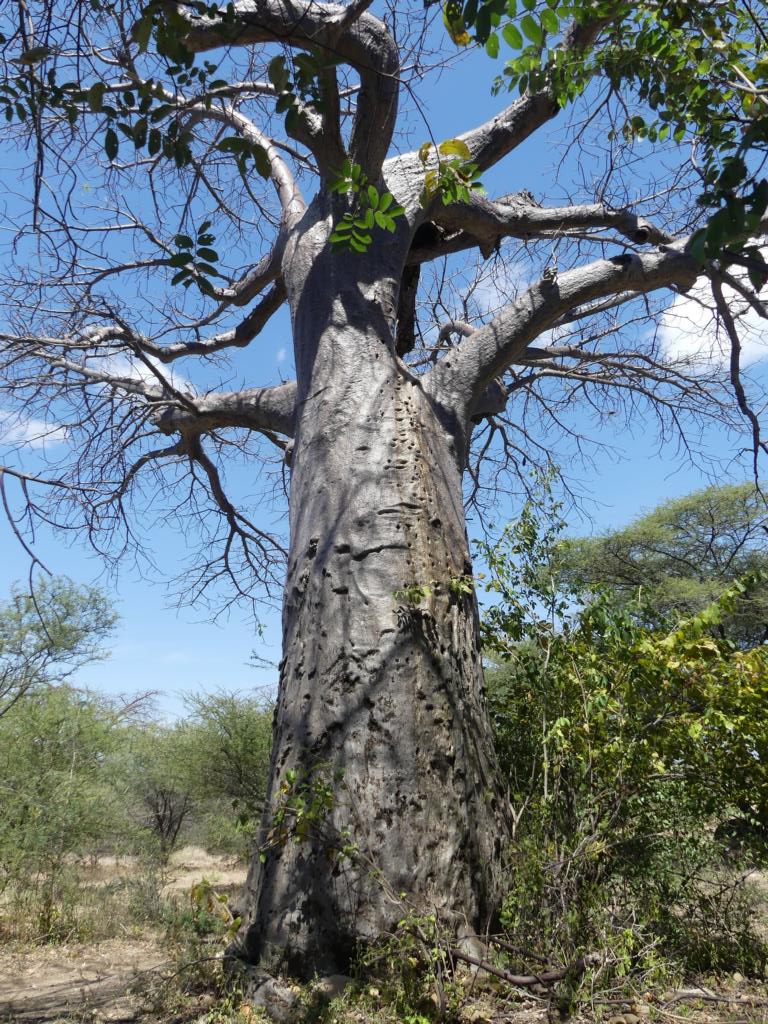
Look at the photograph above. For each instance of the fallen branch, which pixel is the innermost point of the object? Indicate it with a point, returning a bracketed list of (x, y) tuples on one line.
[(576, 969), (712, 997)]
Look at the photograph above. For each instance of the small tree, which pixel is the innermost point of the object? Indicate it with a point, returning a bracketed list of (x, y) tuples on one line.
[(679, 557), (59, 796), (230, 762), (48, 634), (159, 774)]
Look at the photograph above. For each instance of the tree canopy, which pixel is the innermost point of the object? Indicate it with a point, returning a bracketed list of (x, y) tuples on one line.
[(172, 115), (48, 635), (680, 556)]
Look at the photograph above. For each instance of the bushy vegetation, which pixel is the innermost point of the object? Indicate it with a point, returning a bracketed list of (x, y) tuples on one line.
[(84, 777), (634, 740)]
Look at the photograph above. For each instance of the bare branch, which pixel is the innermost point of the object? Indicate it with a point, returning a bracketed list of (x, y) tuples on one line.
[(460, 379), (758, 443), (235, 337), (512, 216), (262, 409)]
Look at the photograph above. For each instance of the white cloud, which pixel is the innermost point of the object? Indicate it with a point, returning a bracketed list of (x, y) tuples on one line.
[(281, 355), (124, 366), (16, 429), (499, 284), (688, 329)]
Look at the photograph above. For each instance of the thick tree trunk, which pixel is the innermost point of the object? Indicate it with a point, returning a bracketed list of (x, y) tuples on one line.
[(380, 693)]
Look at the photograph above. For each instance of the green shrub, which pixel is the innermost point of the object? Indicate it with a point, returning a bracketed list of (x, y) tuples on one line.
[(59, 799), (624, 747)]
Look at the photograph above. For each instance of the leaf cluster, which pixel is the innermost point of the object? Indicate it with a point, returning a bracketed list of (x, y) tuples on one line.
[(696, 70), (371, 209), (195, 259), (455, 178)]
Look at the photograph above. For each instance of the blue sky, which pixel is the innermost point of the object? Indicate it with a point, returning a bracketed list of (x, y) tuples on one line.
[(173, 651)]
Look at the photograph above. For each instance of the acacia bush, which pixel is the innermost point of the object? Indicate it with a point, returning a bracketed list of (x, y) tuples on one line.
[(47, 636), (202, 779), (680, 557), (228, 776), (623, 747), (60, 801)]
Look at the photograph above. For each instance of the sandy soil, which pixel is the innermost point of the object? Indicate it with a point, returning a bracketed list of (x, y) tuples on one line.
[(97, 981), (46, 983)]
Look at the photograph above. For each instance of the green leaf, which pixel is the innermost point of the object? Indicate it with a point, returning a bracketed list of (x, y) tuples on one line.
[(111, 143), (95, 96), (34, 55), (532, 29), (206, 268), (207, 254), (492, 45), (549, 21), (285, 102), (180, 259), (261, 160), (512, 35), (142, 31), (277, 73), (140, 133)]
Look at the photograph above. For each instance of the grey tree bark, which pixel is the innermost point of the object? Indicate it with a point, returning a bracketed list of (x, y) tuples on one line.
[(380, 690)]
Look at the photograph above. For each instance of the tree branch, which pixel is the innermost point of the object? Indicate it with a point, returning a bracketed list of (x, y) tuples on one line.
[(490, 142), (235, 337), (291, 200), (358, 39), (262, 409), (758, 443), (512, 216), (462, 376)]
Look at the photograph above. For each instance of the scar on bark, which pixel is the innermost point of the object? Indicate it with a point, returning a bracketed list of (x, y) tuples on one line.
[(405, 336)]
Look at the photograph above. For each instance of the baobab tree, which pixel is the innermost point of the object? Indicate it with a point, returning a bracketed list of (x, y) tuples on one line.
[(269, 129)]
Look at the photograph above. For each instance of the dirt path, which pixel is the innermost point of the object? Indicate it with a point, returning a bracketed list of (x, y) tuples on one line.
[(54, 982), (108, 980)]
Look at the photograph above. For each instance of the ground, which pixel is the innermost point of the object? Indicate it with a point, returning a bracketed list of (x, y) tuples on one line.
[(162, 975), (109, 979)]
